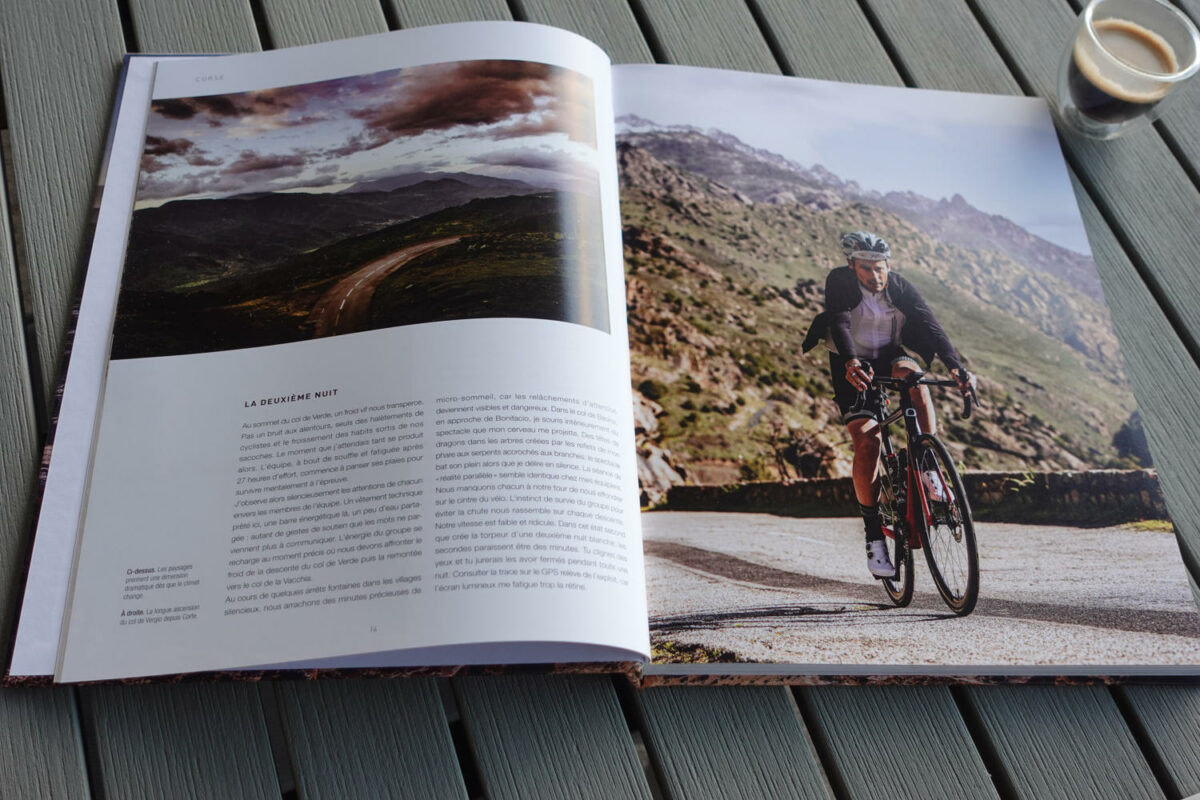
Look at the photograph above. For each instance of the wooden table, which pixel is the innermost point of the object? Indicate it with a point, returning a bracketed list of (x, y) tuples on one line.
[(590, 737)]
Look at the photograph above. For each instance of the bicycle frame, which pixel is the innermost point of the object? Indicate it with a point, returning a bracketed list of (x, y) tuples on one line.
[(929, 519), (912, 429)]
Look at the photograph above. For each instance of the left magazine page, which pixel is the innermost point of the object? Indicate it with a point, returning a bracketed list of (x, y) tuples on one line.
[(368, 341)]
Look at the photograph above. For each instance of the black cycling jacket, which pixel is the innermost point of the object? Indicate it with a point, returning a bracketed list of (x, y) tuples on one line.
[(921, 332)]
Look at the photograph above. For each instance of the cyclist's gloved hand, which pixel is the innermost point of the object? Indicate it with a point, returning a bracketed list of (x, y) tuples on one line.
[(858, 375), (967, 383)]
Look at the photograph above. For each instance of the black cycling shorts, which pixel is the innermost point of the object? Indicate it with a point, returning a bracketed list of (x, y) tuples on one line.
[(863, 405)]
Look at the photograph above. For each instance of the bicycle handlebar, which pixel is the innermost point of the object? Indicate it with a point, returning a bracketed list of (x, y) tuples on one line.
[(970, 397)]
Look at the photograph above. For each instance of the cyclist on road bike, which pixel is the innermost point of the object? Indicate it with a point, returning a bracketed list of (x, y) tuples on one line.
[(871, 316)]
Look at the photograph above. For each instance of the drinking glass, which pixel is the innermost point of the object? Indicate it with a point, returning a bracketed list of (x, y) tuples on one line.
[(1125, 60)]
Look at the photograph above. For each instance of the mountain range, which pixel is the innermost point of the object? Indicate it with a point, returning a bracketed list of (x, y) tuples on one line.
[(194, 242), (763, 176), (727, 249)]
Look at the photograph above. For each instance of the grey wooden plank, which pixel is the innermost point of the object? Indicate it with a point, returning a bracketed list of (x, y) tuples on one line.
[(1181, 117), (369, 738), (411, 13), (717, 33), (1167, 397), (180, 740), (41, 754), (608, 23), (1151, 201), (910, 739), (1167, 719), (1140, 187), (730, 742), (58, 63), (832, 40), (295, 22), (182, 26), (549, 737), (1064, 742), (967, 61), (18, 437)]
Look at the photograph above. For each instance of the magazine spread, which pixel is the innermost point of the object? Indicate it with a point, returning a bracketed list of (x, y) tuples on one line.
[(351, 381)]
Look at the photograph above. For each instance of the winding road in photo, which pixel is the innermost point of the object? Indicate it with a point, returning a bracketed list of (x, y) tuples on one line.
[(797, 590), (343, 309)]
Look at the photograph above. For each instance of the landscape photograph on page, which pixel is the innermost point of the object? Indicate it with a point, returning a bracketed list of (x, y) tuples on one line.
[(753, 205), (408, 492), (447, 191)]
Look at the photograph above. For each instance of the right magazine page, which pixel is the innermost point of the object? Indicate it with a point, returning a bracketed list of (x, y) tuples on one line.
[(804, 515)]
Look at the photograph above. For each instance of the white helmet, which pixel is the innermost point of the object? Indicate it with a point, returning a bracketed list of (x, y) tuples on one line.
[(865, 246)]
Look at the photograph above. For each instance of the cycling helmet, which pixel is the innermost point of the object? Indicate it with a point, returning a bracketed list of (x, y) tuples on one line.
[(865, 246)]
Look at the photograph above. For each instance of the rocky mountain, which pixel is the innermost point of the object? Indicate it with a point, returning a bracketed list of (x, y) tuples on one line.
[(721, 287), (193, 242), (497, 186), (768, 177)]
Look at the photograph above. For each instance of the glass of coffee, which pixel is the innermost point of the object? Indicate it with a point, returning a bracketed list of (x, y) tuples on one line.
[(1125, 60)]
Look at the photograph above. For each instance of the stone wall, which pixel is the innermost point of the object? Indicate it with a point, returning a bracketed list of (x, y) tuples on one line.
[(1087, 499)]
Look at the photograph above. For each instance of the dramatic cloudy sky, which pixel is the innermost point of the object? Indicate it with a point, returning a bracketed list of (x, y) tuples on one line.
[(507, 119)]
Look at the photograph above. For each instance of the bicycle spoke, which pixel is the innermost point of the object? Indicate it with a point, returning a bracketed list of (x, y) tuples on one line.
[(950, 533)]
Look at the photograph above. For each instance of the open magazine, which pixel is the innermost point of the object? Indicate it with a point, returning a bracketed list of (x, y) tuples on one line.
[(351, 386)]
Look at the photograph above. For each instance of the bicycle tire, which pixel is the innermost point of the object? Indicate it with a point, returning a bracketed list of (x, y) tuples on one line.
[(891, 511), (948, 535)]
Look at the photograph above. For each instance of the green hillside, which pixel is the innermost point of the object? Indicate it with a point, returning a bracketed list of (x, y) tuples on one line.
[(722, 291)]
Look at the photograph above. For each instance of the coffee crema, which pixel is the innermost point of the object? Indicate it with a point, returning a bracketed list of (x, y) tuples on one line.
[(1104, 91)]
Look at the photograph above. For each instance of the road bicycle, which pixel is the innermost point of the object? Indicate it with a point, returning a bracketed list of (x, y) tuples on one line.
[(922, 502)]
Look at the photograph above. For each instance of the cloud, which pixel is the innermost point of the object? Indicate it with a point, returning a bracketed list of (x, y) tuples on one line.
[(529, 159), (250, 161), (159, 146), (531, 98)]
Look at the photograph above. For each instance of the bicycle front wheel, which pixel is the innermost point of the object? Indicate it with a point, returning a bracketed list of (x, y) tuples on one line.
[(949, 534), (895, 530)]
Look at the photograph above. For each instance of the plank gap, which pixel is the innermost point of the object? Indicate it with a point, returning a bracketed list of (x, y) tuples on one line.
[(260, 25), (983, 744), (24, 291), (285, 773), (1139, 264), (91, 747), (389, 16), (1145, 742), (517, 11), (462, 746), (3, 111), (1010, 63), (631, 710), (773, 44), (1172, 143), (821, 744), (128, 32), (889, 49), (648, 33)]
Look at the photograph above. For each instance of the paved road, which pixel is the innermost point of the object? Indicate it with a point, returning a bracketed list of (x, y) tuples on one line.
[(343, 308), (797, 591)]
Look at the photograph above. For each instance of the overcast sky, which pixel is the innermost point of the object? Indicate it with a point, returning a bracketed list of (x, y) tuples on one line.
[(1000, 153), (508, 119)]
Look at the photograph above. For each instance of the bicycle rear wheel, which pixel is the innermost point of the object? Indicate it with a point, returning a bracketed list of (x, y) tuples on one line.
[(949, 531), (895, 530)]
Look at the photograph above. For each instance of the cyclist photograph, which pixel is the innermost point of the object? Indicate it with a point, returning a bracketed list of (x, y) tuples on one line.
[(871, 315), (859, 314)]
